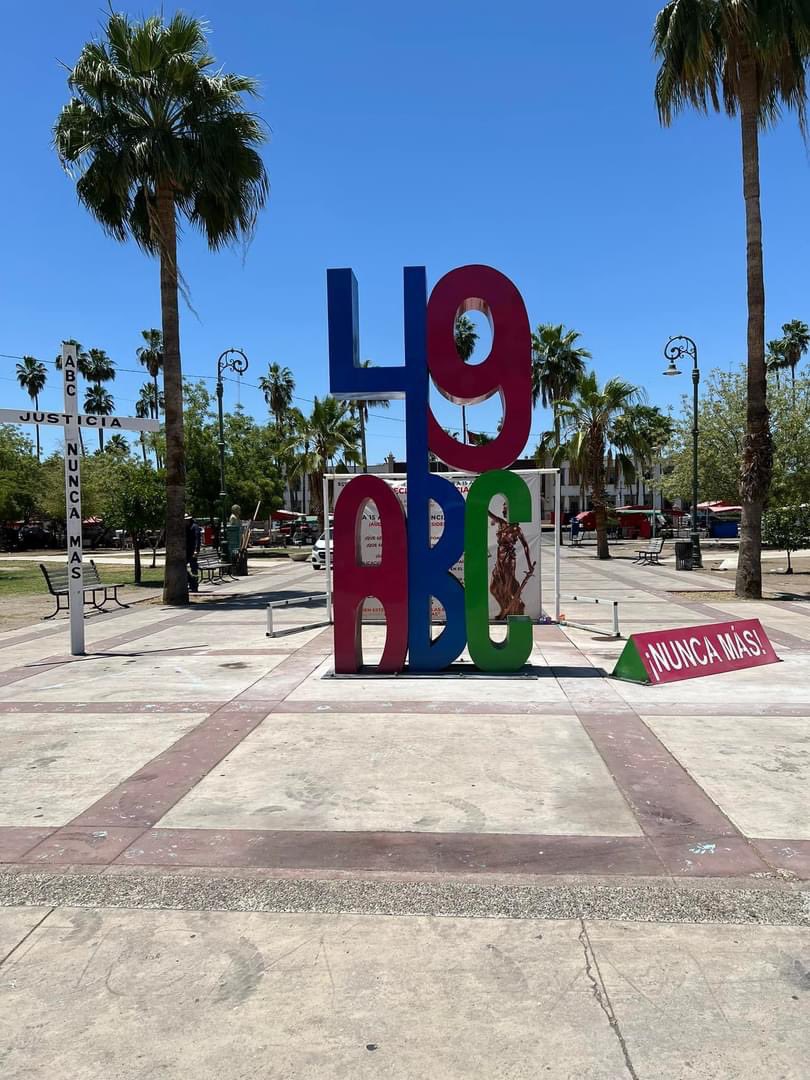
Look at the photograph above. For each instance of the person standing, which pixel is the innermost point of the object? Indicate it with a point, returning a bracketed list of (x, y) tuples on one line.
[(193, 541)]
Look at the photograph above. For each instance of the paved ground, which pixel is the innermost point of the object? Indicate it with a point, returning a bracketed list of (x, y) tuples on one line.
[(206, 834)]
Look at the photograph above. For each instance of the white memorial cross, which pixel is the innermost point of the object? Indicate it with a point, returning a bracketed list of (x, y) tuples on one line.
[(71, 420)]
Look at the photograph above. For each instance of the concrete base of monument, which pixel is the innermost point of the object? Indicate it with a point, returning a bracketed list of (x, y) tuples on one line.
[(455, 671)]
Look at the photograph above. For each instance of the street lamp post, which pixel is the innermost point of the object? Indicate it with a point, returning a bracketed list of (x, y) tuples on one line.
[(236, 361), (678, 346)]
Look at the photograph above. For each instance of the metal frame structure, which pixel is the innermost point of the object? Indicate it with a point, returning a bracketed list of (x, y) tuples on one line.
[(563, 621), (291, 602)]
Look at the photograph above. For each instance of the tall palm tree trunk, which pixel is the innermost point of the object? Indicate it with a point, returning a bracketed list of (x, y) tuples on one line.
[(755, 475), (597, 456), (36, 426), (143, 448), (175, 583), (363, 456)]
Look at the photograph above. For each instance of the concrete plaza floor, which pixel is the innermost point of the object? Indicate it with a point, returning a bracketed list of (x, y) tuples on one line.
[(208, 840)]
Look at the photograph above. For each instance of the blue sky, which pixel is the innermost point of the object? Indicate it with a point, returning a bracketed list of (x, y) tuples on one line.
[(522, 135)]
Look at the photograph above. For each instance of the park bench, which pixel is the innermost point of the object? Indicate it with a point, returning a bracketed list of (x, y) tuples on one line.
[(57, 582), (651, 554), (212, 567)]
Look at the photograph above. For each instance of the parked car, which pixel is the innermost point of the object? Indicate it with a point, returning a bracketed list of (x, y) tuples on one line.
[(318, 558)]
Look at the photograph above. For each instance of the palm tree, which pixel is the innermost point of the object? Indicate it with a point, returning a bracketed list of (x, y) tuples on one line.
[(278, 387), (99, 401), (32, 376), (154, 131), (150, 403), (81, 355), (557, 364), (642, 431), (329, 433), (747, 57), (143, 410), (466, 337), (775, 357), (117, 444), (96, 366), (588, 422), (796, 342), (359, 408), (150, 354)]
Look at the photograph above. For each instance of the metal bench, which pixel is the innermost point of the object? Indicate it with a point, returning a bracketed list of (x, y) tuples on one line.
[(213, 566), (651, 554), (58, 587)]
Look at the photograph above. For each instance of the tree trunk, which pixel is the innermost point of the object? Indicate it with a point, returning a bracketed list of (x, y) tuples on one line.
[(136, 551), (597, 455), (36, 426), (175, 582), (757, 460), (363, 456), (143, 448), (100, 439), (600, 509)]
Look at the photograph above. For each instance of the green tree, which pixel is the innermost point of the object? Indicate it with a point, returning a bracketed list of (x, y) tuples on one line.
[(747, 57), (250, 475), (787, 528), (201, 455), (466, 337), (721, 432), (557, 365), (150, 354), (20, 475), (134, 499), (32, 376), (153, 130), (99, 402), (588, 426)]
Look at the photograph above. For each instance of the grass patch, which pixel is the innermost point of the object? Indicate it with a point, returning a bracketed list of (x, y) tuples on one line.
[(25, 578)]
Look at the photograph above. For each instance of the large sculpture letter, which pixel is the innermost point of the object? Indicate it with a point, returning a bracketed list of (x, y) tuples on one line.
[(486, 654), (507, 369), (355, 581)]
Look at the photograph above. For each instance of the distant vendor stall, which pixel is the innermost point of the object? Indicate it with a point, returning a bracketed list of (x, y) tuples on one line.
[(722, 519)]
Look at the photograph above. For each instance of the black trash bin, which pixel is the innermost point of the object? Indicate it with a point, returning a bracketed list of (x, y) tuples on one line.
[(683, 554)]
